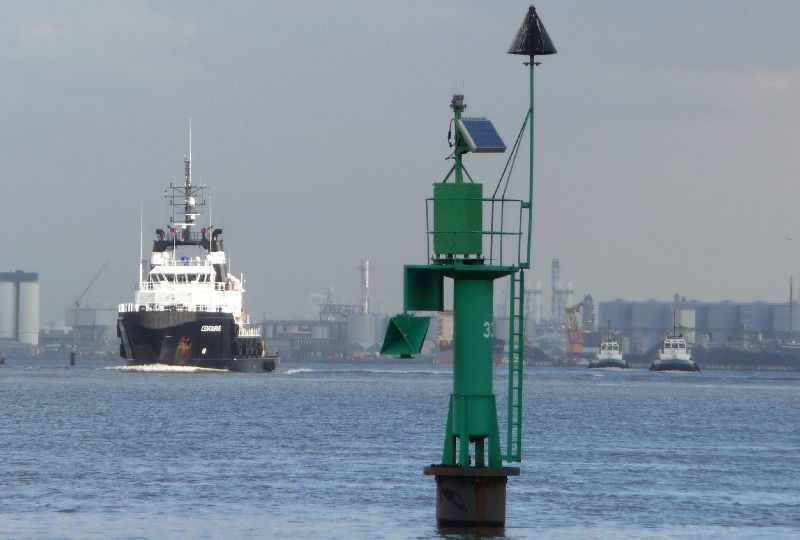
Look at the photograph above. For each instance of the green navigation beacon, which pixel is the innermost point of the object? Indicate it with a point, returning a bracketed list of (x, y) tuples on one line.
[(474, 240)]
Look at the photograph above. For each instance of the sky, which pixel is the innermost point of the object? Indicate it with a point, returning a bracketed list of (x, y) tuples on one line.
[(666, 141)]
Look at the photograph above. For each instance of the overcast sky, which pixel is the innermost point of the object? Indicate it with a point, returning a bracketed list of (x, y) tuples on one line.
[(666, 140)]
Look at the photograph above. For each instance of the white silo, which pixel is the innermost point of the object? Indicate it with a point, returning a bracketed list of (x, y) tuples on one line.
[(28, 321), (381, 324), (568, 292), (502, 327), (269, 331), (8, 310), (361, 331), (320, 331), (536, 305)]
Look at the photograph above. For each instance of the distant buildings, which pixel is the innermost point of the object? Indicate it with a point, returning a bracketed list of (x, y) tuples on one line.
[(644, 324), (19, 313)]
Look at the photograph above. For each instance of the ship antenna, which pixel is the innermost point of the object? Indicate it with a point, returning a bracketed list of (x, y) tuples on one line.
[(141, 240), (187, 183)]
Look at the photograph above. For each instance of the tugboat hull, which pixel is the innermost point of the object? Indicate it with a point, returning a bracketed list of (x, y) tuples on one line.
[(197, 339), (674, 365), (608, 363)]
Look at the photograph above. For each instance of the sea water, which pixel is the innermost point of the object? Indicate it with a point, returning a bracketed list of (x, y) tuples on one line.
[(336, 451)]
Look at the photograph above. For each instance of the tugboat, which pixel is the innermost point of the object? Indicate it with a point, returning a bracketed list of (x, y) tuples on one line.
[(188, 309), (609, 354), (674, 354)]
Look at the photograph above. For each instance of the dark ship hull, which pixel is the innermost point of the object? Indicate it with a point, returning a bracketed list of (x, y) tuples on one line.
[(192, 339), (608, 363), (674, 365)]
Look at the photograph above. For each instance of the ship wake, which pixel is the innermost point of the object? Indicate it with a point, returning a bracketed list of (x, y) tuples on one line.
[(164, 368)]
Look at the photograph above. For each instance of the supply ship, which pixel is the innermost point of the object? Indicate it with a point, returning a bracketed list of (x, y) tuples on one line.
[(188, 308)]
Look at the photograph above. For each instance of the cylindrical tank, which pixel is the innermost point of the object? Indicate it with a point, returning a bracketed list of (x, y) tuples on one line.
[(723, 317), (780, 318), (269, 331), (381, 324), (8, 310), (528, 330), (655, 316), (756, 317), (626, 344), (617, 312), (536, 307), (319, 331), (292, 328), (28, 326), (501, 328), (568, 292), (361, 330)]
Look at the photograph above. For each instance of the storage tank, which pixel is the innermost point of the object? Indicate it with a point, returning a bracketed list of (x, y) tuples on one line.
[(319, 331), (685, 320), (625, 345), (381, 324), (618, 312), (568, 292), (361, 330), (780, 319), (28, 322), (269, 331), (536, 306), (652, 316), (756, 317), (501, 328), (723, 317), (8, 310)]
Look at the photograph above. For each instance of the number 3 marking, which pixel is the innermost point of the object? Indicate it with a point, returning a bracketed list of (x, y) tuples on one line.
[(488, 329)]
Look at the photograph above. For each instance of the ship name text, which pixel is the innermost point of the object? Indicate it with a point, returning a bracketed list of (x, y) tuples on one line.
[(211, 328)]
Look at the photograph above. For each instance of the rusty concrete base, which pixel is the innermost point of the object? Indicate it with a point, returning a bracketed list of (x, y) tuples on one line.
[(470, 497)]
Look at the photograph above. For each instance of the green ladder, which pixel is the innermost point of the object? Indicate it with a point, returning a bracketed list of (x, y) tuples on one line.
[(515, 365)]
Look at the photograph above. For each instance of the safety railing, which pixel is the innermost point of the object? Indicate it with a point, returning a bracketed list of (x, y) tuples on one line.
[(498, 231)]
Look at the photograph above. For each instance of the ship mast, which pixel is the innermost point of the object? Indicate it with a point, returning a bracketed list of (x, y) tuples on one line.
[(187, 202), (187, 180)]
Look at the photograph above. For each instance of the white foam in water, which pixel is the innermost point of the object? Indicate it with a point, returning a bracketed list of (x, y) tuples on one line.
[(164, 368), (295, 371)]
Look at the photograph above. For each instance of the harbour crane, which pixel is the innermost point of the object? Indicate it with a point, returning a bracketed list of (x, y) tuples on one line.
[(574, 334), (75, 315)]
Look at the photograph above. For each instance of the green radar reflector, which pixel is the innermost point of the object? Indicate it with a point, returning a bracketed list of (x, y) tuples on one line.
[(405, 335), (481, 135)]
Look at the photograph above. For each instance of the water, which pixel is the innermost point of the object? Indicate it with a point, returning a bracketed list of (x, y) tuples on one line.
[(320, 451)]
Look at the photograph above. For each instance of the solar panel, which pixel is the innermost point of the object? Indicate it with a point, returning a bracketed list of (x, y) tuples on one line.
[(481, 135)]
